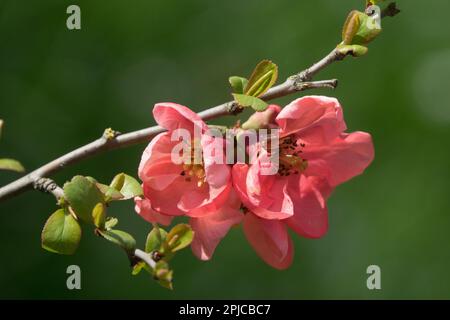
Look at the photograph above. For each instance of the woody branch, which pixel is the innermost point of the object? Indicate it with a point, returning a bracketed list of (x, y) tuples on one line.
[(114, 140)]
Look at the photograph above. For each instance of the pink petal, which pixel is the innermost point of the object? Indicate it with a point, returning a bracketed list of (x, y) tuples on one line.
[(161, 174), (265, 196), (210, 229), (186, 198), (158, 151), (215, 199), (270, 240), (218, 173), (193, 197), (258, 185), (345, 157), (311, 214), (314, 118), (277, 203), (239, 175), (172, 116), (166, 201), (160, 147), (144, 209)]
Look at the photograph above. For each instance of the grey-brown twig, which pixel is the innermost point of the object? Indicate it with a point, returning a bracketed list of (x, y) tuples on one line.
[(110, 141), (113, 140), (49, 186)]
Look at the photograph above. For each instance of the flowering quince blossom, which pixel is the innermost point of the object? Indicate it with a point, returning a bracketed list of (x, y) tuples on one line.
[(201, 190), (315, 155)]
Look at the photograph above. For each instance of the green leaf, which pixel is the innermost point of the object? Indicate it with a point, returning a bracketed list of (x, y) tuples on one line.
[(128, 186), (179, 237), (99, 215), (359, 29), (155, 240), (351, 26), (111, 223), (263, 77), (248, 101), (109, 192), (120, 238), (83, 195), (163, 274), (11, 164), (92, 179), (238, 84), (368, 30), (61, 233)]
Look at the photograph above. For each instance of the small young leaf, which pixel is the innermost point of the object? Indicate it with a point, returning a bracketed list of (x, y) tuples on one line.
[(83, 195), (61, 233), (155, 240), (99, 215), (111, 223), (109, 192), (248, 101), (351, 26), (137, 268), (11, 164), (179, 237), (128, 186), (120, 238), (359, 29), (368, 30), (238, 84), (263, 77)]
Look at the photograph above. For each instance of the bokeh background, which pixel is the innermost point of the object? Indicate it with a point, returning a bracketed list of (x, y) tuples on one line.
[(59, 89)]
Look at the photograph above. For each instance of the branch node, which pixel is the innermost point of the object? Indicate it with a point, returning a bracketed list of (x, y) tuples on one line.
[(234, 108), (303, 76), (110, 134), (47, 185)]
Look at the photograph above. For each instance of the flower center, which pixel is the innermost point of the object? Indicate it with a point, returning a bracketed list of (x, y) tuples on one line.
[(194, 171), (290, 160), (194, 168)]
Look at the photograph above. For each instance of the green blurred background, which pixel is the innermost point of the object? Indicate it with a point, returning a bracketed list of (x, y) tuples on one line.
[(59, 89)]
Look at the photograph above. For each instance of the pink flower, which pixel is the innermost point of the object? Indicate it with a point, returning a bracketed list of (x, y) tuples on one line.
[(315, 156), (199, 187)]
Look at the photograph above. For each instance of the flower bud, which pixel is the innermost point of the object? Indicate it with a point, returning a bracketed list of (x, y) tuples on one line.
[(264, 119), (360, 28)]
